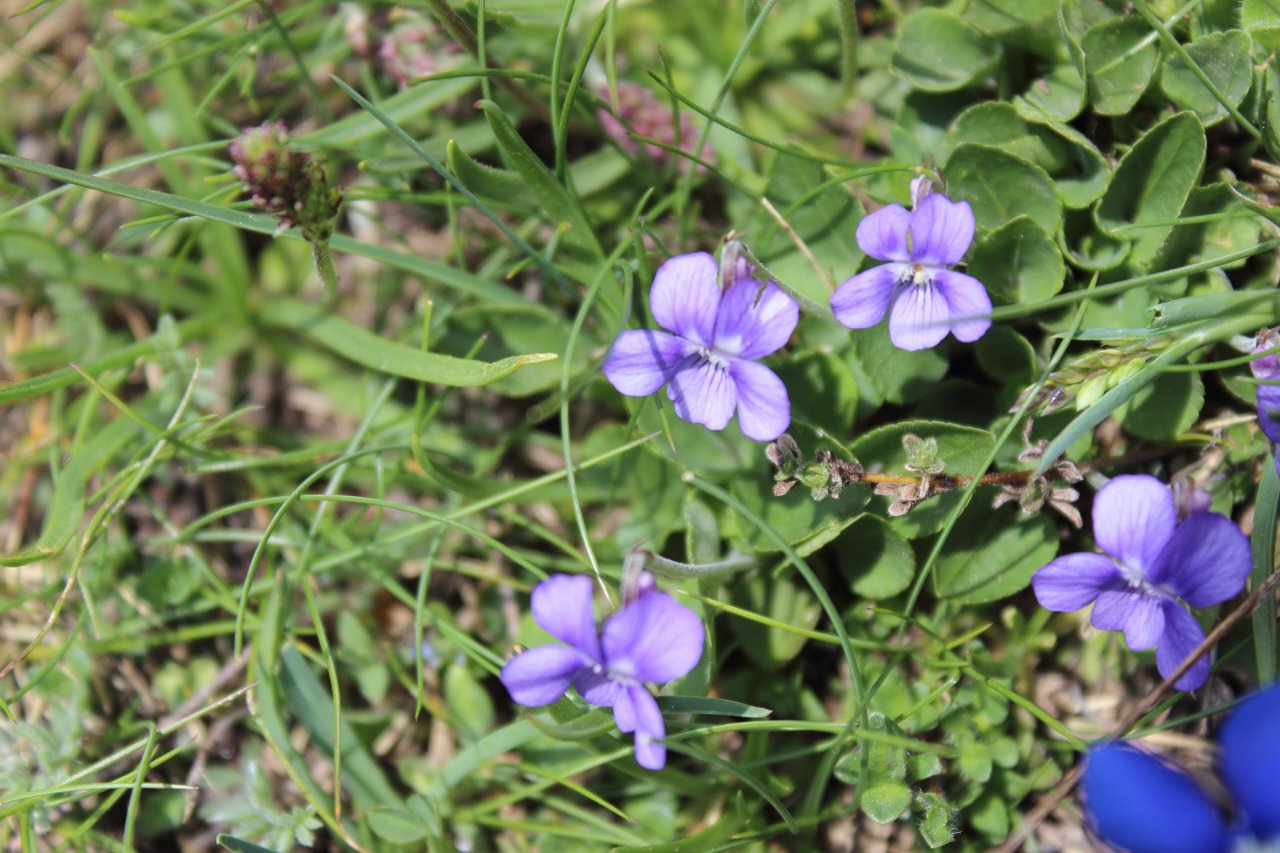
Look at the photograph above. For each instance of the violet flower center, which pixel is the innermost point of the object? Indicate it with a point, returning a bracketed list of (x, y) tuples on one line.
[(1137, 580), (713, 357), (914, 274)]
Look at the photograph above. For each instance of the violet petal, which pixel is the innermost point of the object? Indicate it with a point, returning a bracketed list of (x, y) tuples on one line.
[(642, 361), (1182, 633), (596, 687), (703, 393), (861, 302), (1074, 580), (1141, 804), (764, 409), (650, 729), (920, 317), (1250, 742), (686, 297), (562, 607), (1133, 519), (1138, 614), (1206, 561), (755, 319), (941, 231), (654, 639), (969, 303), (541, 676), (1269, 410), (883, 235)]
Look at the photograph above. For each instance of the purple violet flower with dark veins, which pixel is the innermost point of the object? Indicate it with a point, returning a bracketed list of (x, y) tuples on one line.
[(1140, 803), (651, 638), (923, 298), (709, 362), (1151, 561)]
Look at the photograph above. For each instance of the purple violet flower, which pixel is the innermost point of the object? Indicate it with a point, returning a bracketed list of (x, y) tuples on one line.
[(1268, 367), (1151, 561), (923, 298), (709, 362), (1140, 803), (652, 638)]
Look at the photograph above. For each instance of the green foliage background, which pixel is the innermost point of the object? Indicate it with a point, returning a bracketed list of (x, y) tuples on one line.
[(266, 545)]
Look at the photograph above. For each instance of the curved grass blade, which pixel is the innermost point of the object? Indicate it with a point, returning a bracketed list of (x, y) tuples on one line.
[(1264, 563), (263, 224), (377, 353)]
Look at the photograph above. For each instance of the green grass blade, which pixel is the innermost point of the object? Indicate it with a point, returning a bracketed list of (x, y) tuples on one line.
[(1264, 563), (378, 354)]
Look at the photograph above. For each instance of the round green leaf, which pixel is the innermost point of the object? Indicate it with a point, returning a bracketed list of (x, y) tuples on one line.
[(992, 554), (783, 602), (886, 803), (1019, 263), (1001, 186), (998, 125), (879, 562), (990, 816), (1152, 183), (1004, 16), (885, 373), (1087, 174), (937, 51), (1225, 58), (822, 391), (1120, 58), (1006, 355), (795, 516), (1087, 247), (1059, 94)]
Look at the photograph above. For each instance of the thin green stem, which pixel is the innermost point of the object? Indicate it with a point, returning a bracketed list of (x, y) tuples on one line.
[(328, 273), (850, 35)]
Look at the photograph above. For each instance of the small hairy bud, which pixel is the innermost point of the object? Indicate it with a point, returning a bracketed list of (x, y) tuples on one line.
[(922, 455)]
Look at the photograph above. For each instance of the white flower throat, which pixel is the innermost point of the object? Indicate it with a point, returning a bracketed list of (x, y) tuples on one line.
[(918, 275)]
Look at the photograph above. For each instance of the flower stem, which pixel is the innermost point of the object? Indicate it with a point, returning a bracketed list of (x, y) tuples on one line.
[(847, 18), (324, 266)]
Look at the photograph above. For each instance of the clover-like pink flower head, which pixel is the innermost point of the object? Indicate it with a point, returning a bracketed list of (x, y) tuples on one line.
[(924, 299)]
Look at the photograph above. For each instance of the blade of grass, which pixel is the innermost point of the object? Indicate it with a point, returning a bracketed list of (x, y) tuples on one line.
[(1264, 563)]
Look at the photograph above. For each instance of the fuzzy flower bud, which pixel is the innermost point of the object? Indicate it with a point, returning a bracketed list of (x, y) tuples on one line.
[(286, 183)]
